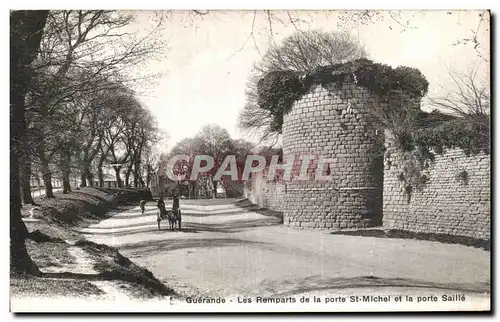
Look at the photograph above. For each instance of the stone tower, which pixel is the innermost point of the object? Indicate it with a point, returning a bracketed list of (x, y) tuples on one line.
[(333, 121)]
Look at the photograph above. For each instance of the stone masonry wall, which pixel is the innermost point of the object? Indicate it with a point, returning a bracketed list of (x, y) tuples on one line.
[(366, 188), (448, 203), (269, 195), (334, 123)]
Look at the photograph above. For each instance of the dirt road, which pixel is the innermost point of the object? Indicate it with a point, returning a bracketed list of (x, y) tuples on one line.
[(228, 251)]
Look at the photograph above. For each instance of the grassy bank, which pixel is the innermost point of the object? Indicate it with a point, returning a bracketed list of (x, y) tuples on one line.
[(72, 266)]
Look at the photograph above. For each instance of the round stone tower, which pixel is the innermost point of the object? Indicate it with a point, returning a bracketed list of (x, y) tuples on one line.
[(333, 121)]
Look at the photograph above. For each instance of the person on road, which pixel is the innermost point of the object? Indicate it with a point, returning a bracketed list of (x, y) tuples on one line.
[(176, 211), (143, 206), (160, 204), (175, 203)]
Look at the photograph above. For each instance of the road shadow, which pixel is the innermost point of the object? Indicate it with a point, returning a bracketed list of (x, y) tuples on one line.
[(214, 213), (117, 228), (232, 227), (144, 228), (124, 216), (150, 247), (208, 202), (187, 227)]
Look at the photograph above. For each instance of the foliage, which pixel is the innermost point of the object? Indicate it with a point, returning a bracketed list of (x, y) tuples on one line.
[(413, 175), (463, 177), (82, 111), (414, 130), (277, 92), (214, 141), (472, 135), (378, 78)]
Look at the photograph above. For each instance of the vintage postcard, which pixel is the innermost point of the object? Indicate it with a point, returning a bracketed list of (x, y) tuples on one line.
[(250, 161)]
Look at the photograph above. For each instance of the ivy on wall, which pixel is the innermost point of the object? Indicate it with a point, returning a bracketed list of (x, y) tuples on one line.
[(472, 135), (413, 173), (414, 130), (436, 133), (377, 78), (278, 90)]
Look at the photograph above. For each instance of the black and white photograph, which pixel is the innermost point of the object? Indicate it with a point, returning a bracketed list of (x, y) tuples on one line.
[(250, 160)]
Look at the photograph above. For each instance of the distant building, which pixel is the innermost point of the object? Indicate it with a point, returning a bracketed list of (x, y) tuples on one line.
[(161, 185)]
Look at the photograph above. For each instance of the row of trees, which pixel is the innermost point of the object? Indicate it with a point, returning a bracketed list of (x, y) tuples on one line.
[(73, 107), (214, 141), (82, 112)]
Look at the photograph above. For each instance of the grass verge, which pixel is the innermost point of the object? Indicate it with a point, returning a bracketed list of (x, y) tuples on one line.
[(72, 266)]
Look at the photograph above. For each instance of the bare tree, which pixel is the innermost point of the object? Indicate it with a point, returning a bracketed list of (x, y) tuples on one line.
[(240, 149), (304, 51), (216, 142), (76, 61), (470, 101), (470, 96), (189, 147), (117, 136), (476, 35), (301, 52), (151, 161)]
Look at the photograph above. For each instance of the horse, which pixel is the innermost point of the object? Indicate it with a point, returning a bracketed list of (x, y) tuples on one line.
[(175, 219)]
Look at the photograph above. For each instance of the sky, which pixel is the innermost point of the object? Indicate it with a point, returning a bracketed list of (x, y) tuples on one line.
[(209, 57)]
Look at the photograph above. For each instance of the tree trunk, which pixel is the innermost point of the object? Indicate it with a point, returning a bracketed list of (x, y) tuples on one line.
[(214, 188), (66, 172), (65, 169), (136, 177), (86, 174), (100, 175), (83, 180), (118, 178), (90, 177), (46, 174), (66, 183), (137, 168), (26, 29), (47, 181), (25, 174), (127, 176), (148, 177), (190, 190)]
